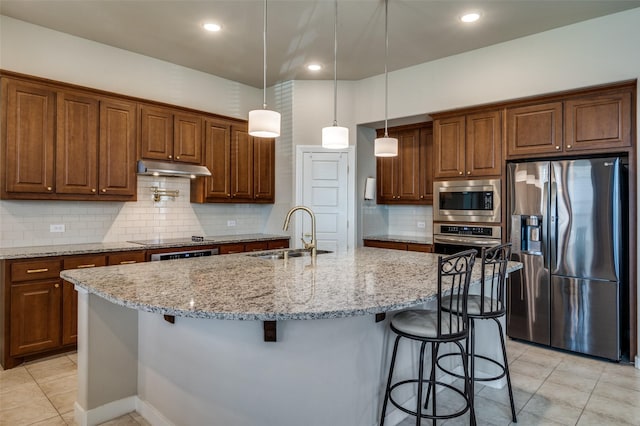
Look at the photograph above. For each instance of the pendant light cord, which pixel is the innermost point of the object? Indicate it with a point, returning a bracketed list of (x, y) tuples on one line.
[(386, 56), (335, 66), (264, 58)]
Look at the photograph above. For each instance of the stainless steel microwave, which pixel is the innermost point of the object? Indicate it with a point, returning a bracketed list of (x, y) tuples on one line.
[(467, 201)]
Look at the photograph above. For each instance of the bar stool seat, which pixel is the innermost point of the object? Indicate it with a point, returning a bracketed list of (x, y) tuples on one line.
[(435, 327)]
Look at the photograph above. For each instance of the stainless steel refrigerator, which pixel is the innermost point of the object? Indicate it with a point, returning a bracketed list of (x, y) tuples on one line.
[(566, 226)]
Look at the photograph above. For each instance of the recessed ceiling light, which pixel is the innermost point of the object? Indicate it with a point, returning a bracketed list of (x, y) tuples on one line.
[(314, 67), (470, 17), (209, 26)]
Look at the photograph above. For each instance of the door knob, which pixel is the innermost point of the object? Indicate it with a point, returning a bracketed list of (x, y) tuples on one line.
[(170, 157)]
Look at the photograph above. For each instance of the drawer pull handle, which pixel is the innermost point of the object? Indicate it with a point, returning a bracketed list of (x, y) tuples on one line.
[(88, 265), (127, 262), (56, 285), (35, 271)]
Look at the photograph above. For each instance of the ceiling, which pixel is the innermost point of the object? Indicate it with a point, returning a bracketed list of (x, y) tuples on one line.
[(301, 31)]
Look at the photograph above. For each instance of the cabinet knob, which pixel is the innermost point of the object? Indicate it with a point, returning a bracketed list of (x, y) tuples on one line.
[(557, 147), (468, 172), (104, 190), (177, 157), (56, 285), (93, 190), (459, 173), (49, 188), (170, 157), (568, 146)]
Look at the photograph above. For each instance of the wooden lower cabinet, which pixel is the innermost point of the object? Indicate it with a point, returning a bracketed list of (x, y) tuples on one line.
[(253, 246), (396, 245)]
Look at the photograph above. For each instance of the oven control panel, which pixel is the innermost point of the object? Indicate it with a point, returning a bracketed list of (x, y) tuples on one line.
[(468, 230)]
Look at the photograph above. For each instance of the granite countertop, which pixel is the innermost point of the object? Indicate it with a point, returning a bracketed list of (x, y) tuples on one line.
[(90, 248), (243, 287), (400, 239)]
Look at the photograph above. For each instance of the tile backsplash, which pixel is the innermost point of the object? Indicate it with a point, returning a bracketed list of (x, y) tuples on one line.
[(27, 223), (406, 221)]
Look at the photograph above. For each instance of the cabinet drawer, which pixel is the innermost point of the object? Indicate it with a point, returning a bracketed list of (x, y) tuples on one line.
[(385, 244), (257, 246), (84, 262), (35, 270), (424, 248), (231, 248), (126, 258), (278, 244)]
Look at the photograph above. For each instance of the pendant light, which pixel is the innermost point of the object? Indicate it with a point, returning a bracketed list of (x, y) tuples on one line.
[(386, 146), (264, 123), (335, 137)]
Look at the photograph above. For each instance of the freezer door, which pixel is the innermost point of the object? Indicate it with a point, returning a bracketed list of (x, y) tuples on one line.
[(586, 218), (584, 316), (528, 300)]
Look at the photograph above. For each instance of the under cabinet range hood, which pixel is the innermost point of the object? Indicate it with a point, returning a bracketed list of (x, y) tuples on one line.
[(161, 168)]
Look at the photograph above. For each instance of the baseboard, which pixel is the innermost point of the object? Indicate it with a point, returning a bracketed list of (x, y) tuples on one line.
[(105, 412), (151, 414), (638, 362)]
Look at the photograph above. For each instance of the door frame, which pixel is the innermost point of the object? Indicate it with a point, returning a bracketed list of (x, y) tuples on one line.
[(351, 185)]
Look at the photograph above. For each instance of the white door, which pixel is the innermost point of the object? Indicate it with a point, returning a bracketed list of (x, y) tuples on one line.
[(325, 191)]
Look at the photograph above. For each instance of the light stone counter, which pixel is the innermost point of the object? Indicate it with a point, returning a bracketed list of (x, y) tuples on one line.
[(244, 287)]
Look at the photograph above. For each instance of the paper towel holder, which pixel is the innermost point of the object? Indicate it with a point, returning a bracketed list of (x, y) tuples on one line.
[(369, 188)]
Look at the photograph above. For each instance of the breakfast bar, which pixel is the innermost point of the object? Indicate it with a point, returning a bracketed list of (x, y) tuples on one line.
[(212, 365)]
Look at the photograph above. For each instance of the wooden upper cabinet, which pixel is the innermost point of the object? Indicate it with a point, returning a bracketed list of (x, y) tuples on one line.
[(264, 163), (534, 129), (117, 148), (29, 116), (449, 147), (241, 164), (404, 179), (598, 122), (468, 145), (217, 158), (77, 144), (170, 136), (187, 138)]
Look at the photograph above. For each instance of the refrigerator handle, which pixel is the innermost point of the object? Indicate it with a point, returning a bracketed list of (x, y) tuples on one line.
[(553, 218)]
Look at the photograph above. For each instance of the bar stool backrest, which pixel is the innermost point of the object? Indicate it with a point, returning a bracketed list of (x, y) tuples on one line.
[(454, 276), (494, 264)]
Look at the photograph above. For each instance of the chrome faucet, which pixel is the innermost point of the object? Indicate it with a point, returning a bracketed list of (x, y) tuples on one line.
[(312, 245)]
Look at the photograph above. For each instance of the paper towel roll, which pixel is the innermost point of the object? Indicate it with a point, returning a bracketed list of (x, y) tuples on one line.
[(370, 189)]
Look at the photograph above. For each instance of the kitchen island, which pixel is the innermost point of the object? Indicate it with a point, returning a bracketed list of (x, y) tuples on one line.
[(212, 365)]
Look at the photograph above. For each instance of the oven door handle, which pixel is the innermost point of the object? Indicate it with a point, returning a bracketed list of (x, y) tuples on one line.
[(465, 241)]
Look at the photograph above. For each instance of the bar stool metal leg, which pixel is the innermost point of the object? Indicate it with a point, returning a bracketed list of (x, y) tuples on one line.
[(388, 388), (506, 370)]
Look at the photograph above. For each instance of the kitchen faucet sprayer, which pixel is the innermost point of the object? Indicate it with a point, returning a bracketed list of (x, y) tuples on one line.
[(307, 245)]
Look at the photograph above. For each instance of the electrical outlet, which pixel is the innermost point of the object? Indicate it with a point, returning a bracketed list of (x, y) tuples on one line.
[(56, 228), (421, 225), (231, 223)]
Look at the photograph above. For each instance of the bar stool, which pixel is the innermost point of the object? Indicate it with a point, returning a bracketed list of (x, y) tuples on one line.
[(436, 327), (489, 304)]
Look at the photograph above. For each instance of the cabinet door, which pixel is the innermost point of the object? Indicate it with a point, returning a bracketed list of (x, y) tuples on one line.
[(601, 122), (386, 179), (125, 258), (449, 147), (187, 138), (35, 316), (534, 129), (264, 162), (426, 165), (217, 157), (156, 133), (484, 144), (408, 165), (117, 148), (77, 144), (30, 124), (241, 164)]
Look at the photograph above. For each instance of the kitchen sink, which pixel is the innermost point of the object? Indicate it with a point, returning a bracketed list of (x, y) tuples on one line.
[(280, 254)]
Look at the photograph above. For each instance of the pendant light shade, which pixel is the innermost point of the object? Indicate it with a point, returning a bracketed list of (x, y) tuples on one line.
[(264, 123), (386, 146), (335, 137)]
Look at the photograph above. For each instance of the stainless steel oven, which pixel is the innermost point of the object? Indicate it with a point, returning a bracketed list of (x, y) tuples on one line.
[(450, 238), (467, 201), (186, 254)]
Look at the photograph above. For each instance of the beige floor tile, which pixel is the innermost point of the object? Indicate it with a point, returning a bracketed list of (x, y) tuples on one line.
[(564, 394), (53, 421), (594, 419), (617, 393), (62, 384), (489, 411), (534, 356), (525, 383), (553, 410), (566, 378), (19, 395), (73, 356), (530, 369), (138, 418), (51, 368), (14, 377), (64, 401), (125, 420), (520, 397), (69, 418), (614, 409), (580, 369), (529, 419), (631, 382), (31, 411)]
